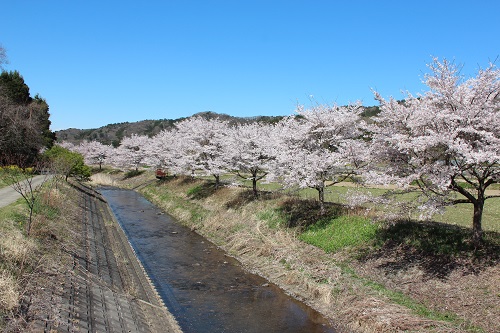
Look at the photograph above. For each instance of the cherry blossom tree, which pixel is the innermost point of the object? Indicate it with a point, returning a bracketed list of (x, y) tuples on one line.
[(131, 152), (247, 151), (94, 152), (201, 146), (445, 141), (163, 150), (68, 145), (319, 148)]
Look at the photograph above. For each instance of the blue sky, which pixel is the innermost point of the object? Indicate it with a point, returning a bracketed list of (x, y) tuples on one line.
[(102, 62)]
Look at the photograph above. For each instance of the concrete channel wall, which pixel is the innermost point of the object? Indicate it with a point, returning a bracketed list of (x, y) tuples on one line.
[(107, 290)]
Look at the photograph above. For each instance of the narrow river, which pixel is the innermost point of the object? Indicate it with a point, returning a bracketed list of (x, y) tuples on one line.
[(203, 288)]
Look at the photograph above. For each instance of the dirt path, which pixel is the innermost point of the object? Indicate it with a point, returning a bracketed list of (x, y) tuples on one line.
[(106, 289)]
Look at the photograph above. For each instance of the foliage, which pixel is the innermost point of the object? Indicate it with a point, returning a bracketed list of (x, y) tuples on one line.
[(66, 162), (441, 139), (15, 89), (247, 151), (200, 146), (320, 147), (24, 122), (131, 152), (94, 152), (161, 151), (442, 142)]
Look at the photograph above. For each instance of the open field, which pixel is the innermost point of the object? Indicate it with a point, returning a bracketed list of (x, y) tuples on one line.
[(460, 215)]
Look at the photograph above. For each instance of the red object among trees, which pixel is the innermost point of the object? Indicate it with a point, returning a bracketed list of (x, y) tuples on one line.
[(160, 174)]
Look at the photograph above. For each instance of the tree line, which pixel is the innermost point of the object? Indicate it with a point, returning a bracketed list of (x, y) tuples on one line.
[(444, 143), (24, 120)]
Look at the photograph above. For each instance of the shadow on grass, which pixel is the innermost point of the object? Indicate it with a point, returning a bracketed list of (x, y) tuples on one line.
[(436, 248), (303, 213), (245, 197), (201, 191), (166, 179), (132, 173), (185, 180)]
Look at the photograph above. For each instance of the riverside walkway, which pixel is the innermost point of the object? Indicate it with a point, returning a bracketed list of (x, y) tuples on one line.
[(9, 195)]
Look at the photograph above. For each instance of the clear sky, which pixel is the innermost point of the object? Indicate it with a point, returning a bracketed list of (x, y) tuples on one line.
[(107, 61)]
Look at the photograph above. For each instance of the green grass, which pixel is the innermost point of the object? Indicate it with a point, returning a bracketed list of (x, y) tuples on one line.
[(48, 211), (273, 218), (196, 212), (15, 213), (6, 177), (335, 231), (460, 215), (339, 233), (201, 191)]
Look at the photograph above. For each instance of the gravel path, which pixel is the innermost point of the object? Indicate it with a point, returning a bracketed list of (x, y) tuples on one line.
[(107, 290)]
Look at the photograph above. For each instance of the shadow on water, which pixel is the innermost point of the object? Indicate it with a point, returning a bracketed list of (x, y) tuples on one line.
[(204, 289)]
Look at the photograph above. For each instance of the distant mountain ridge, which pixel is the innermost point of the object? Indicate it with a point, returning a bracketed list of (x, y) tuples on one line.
[(112, 134)]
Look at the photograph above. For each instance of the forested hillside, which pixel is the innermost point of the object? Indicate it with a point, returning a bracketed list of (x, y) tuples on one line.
[(114, 133)]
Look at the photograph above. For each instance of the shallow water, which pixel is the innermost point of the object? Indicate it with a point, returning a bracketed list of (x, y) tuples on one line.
[(204, 289)]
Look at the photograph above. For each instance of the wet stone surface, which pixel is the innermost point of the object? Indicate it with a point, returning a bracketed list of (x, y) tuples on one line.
[(203, 288)]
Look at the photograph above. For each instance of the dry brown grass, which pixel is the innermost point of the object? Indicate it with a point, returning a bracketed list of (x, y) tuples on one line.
[(16, 250), (9, 291), (103, 179), (27, 263)]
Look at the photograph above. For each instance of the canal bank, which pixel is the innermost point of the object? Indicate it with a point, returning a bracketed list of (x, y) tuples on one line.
[(105, 288)]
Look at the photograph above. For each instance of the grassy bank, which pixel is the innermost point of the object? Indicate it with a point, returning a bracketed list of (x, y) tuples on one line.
[(366, 276), (28, 263)]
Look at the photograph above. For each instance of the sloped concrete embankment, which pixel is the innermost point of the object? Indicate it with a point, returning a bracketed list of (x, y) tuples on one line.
[(107, 289)]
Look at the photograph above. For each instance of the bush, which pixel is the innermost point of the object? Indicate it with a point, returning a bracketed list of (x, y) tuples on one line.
[(67, 163)]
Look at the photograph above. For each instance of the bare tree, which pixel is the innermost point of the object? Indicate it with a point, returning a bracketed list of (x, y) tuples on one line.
[(27, 184)]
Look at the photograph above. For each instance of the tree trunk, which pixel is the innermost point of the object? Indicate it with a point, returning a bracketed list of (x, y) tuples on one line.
[(321, 197), (217, 181), (477, 231), (254, 184), (31, 205)]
